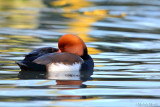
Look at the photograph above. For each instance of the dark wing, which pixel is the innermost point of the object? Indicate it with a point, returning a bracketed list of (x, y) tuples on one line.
[(28, 65), (39, 52)]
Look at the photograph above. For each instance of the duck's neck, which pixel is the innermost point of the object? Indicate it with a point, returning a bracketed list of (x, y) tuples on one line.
[(85, 54)]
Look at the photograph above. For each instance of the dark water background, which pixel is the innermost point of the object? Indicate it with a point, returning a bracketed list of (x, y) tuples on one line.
[(123, 37)]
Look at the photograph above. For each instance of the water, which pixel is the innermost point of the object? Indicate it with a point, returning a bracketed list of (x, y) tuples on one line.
[(122, 37)]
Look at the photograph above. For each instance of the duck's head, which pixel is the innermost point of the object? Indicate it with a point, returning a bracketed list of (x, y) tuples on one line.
[(72, 44)]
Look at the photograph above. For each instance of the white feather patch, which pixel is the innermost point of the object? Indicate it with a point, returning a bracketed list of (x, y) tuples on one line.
[(60, 71)]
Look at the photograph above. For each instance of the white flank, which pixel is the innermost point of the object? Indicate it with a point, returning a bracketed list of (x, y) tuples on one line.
[(60, 71)]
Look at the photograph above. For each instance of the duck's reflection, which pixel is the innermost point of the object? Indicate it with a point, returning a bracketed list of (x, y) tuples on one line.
[(78, 80), (60, 84)]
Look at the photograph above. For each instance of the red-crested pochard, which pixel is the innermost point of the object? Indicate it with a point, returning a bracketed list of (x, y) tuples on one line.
[(70, 61)]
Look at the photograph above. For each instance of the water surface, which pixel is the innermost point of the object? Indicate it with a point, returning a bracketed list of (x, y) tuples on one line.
[(122, 37)]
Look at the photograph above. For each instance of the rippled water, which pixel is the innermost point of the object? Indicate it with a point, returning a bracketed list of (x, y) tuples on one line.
[(123, 37)]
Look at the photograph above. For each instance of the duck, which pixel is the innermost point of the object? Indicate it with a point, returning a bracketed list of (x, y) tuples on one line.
[(69, 61)]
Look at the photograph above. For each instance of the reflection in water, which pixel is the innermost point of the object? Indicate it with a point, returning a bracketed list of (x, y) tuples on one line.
[(18, 14), (80, 23), (61, 85), (46, 75)]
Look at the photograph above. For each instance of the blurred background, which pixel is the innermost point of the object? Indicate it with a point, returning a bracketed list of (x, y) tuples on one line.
[(123, 38)]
